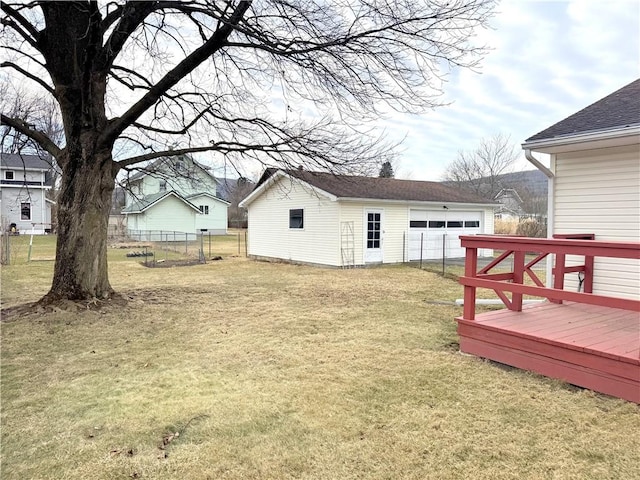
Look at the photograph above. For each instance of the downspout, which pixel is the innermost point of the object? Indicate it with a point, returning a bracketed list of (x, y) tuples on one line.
[(550, 206)]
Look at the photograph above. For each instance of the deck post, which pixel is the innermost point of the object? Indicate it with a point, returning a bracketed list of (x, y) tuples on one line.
[(558, 275), (470, 269), (518, 277), (587, 286)]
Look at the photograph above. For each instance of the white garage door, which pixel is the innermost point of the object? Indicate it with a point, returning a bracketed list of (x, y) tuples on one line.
[(433, 234)]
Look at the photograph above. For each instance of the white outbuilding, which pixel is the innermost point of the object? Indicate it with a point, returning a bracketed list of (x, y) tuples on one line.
[(338, 220)]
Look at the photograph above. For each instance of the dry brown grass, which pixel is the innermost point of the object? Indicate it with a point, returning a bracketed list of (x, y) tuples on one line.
[(280, 371)]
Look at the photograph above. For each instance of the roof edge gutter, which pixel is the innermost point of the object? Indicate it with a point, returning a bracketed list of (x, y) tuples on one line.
[(536, 163), (574, 138)]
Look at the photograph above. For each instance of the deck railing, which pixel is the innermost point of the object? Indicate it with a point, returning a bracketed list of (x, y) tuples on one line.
[(583, 245)]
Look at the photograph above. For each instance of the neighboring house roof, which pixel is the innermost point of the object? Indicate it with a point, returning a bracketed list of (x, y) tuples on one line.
[(619, 110), (147, 202), (30, 162), (508, 193), (149, 169), (18, 161), (207, 194), (375, 188)]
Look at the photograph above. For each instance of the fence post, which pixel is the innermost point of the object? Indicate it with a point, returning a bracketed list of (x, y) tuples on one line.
[(444, 251), (209, 244), (246, 246), (421, 241)]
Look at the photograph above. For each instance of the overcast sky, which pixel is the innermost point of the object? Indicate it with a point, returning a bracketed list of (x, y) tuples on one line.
[(549, 59)]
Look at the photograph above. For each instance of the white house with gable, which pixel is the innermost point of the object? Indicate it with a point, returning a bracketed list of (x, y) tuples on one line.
[(175, 194), (594, 182), (24, 182), (337, 220)]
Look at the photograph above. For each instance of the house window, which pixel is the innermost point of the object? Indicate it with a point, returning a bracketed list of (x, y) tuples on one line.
[(8, 175), (418, 224), (163, 185), (180, 167), (296, 218), (472, 224), (436, 223), (204, 209), (454, 224), (25, 211)]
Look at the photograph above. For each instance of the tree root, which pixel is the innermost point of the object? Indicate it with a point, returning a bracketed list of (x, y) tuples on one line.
[(55, 304)]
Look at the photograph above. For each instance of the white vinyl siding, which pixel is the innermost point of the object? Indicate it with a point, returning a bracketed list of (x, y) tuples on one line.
[(269, 233), (216, 220), (322, 240), (171, 214), (39, 212), (598, 192)]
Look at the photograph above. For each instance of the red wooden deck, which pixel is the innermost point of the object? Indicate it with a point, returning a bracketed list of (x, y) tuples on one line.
[(587, 345), (586, 339)]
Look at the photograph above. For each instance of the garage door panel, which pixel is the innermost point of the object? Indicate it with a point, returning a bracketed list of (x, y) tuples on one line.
[(429, 231)]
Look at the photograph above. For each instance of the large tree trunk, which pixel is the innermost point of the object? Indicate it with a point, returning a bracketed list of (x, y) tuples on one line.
[(84, 203)]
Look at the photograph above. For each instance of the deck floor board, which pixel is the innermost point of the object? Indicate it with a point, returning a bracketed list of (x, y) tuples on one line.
[(592, 346)]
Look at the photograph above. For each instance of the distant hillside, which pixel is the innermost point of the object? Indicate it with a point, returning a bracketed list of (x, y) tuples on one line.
[(533, 181)]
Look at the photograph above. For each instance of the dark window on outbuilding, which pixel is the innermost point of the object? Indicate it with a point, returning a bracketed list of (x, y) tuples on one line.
[(8, 175), (296, 218), (472, 224), (418, 224), (436, 224), (454, 224)]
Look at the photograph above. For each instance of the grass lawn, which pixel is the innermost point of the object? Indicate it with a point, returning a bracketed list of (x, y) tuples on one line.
[(245, 370)]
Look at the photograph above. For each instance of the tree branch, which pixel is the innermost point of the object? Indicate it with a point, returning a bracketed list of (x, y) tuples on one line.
[(31, 35), (30, 76), (39, 137), (186, 66), (167, 153)]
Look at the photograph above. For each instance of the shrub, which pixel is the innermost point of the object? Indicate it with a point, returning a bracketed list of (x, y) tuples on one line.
[(530, 227), (505, 226)]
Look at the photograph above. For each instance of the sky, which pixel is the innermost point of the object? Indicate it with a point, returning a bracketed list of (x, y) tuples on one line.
[(548, 60)]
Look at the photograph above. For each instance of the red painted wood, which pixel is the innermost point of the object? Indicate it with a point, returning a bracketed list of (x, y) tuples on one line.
[(518, 277), (594, 248), (616, 366), (495, 262), (470, 268), (589, 298), (592, 346), (551, 367)]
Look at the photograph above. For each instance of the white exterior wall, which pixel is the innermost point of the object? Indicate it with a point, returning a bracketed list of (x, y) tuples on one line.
[(170, 214), (598, 191), (395, 220), (269, 232), (11, 199), (216, 220)]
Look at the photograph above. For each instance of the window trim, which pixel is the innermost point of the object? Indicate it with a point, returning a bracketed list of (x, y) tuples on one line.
[(296, 214)]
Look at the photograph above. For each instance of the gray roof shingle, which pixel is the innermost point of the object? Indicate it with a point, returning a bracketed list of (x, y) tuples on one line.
[(343, 186), (617, 110), (18, 160)]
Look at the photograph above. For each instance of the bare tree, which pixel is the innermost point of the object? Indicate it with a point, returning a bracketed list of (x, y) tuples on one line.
[(284, 83), (238, 190), (479, 170)]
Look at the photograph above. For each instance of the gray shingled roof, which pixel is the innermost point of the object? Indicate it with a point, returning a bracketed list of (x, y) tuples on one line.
[(618, 110), (15, 160), (143, 203), (343, 186)]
